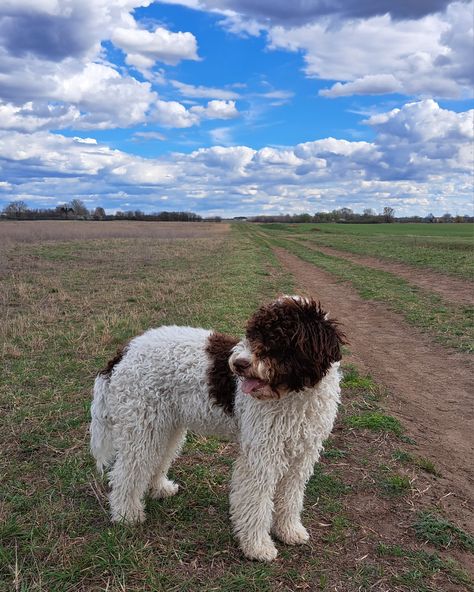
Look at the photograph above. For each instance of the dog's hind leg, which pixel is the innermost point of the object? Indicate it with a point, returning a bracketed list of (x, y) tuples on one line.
[(160, 485), (132, 472)]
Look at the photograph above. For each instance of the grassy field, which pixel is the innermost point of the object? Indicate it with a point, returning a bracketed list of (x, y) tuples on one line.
[(66, 306), (463, 230), (447, 248)]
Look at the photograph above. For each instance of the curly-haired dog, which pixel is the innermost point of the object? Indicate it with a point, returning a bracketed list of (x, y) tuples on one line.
[(275, 392)]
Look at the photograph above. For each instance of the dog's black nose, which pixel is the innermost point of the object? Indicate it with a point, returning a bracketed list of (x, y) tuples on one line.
[(241, 364)]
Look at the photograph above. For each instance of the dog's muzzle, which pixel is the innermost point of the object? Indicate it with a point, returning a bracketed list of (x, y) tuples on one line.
[(241, 365)]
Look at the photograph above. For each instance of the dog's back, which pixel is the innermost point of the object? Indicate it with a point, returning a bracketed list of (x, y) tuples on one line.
[(163, 372)]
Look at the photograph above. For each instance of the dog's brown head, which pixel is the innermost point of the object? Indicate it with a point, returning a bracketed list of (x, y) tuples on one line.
[(290, 345)]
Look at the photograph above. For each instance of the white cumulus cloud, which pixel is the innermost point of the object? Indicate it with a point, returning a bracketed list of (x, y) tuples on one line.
[(430, 56), (371, 84), (158, 45), (51, 58), (216, 110)]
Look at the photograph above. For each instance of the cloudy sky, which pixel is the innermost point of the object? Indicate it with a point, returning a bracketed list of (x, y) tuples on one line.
[(238, 107)]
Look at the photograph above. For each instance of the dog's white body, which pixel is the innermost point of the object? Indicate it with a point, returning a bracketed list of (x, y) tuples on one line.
[(159, 390)]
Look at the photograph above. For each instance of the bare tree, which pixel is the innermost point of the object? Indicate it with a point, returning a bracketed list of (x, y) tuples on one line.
[(79, 207), (388, 214), (15, 209)]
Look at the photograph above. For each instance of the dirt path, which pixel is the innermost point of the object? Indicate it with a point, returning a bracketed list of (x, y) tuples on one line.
[(431, 388), (450, 288)]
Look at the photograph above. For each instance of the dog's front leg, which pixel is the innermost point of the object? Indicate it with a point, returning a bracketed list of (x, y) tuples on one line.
[(289, 496), (251, 506)]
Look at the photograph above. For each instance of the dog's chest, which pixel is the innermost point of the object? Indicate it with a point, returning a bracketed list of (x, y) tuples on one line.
[(293, 426)]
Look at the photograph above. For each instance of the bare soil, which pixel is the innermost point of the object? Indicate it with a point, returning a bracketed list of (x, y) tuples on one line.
[(451, 289), (430, 388)]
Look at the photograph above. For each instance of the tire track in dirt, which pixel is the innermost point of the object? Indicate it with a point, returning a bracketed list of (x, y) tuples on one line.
[(451, 289), (430, 387)]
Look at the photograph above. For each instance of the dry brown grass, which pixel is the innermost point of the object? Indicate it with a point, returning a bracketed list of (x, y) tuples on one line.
[(33, 231), (99, 285)]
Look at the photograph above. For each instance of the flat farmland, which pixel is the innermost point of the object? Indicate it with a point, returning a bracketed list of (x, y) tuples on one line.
[(390, 504), (14, 232)]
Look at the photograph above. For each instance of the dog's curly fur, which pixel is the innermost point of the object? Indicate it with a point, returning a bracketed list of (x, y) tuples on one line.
[(275, 392)]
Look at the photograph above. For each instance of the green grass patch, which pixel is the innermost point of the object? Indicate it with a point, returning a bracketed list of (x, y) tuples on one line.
[(325, 484), (427, 465), (334, 453), (366, 576), (448, 231), (418, 461), (254, 578), (326, 489), (375, 421), (420, 566), (403, 456), (202, 444), (394, 485), (441, 533), (353, 380), (340, 526)]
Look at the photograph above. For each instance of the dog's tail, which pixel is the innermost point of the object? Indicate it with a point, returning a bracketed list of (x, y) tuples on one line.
[(102, 447)]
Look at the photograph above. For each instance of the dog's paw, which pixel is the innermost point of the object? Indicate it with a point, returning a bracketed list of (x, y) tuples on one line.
[(291, 534), (129, 515), (264, 551), (164, 488)]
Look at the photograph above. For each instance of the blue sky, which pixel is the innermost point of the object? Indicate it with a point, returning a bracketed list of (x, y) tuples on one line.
[(237, 107)]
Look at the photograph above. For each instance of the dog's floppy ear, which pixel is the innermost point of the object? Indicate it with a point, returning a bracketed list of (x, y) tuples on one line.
[(220, 380), (317, 339), (326, 340)]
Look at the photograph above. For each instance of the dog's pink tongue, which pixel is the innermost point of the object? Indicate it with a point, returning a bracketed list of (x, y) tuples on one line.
[(251, 384)]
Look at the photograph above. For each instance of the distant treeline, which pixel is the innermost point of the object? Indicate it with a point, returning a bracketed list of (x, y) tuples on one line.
[(76, 210), (346, 215)]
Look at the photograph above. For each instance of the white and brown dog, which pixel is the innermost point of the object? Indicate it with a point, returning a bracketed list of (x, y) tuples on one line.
[(275, 392)]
